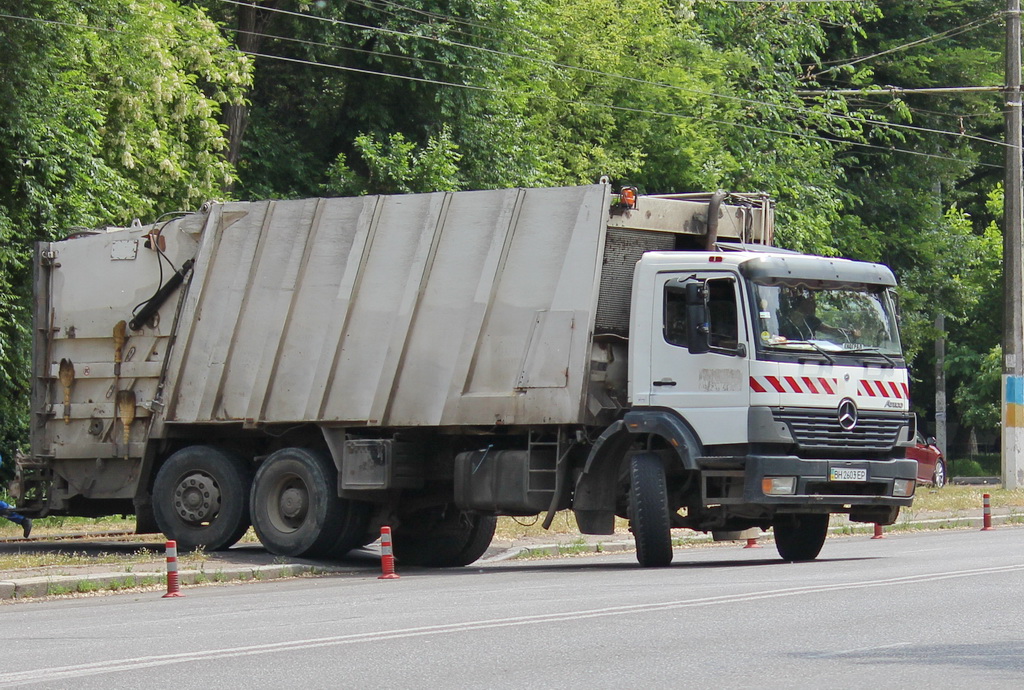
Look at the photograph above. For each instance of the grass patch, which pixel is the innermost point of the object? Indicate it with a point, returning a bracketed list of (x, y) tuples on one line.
[(20, 561), (125, 561), (124, 583), (956, 498), (513, 528), (576, 546), (73, 526), (54, 589)]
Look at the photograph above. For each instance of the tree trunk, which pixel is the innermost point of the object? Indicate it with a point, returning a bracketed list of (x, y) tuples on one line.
[(252, 23)]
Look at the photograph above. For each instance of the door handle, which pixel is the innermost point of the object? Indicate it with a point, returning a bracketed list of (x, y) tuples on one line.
[(665, 382)]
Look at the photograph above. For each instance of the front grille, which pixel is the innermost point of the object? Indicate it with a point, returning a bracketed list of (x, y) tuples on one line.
[(817, 429)]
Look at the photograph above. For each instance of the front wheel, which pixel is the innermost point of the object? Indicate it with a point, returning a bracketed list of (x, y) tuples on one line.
[(296, 510), (201, 498), (649, 515), (939, 477), (799, 537)]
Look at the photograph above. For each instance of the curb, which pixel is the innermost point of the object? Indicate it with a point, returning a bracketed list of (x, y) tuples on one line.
[(31, 587)]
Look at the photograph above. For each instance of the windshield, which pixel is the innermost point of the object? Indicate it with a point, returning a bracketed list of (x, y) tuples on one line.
[(833, 318)]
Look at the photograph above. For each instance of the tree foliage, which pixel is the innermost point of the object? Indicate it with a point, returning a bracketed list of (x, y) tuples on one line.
[(110, 112), (923, 204)]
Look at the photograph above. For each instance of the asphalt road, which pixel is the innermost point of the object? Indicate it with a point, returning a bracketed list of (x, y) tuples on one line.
[(935, 610)]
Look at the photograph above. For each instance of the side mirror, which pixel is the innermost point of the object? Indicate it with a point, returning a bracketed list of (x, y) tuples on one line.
[(696, 319)]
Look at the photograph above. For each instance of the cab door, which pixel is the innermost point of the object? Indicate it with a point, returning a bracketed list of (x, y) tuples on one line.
[(702, 370)]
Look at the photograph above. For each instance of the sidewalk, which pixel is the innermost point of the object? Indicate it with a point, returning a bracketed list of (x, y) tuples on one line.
[(251, 563)]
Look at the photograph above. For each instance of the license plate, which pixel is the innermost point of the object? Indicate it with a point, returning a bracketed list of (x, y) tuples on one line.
[(847, 474)]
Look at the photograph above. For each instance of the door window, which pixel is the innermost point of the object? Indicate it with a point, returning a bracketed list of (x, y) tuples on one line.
[(722, 327)]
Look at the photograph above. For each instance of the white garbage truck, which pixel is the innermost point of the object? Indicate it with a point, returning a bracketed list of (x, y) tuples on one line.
[(320, 368)]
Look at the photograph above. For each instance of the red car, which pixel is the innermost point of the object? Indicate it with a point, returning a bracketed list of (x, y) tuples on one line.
[(931, 466)]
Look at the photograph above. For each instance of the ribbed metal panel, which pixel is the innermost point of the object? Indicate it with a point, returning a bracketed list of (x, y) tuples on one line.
[(820, 429), (622, 249), (438, 309)]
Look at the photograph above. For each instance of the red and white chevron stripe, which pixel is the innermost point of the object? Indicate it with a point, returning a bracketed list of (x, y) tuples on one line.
[(821, 385), (883, 389), (813, 385)]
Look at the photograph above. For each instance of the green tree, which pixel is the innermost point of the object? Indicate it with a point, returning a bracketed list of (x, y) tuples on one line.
[(110, 112), (532, 93), (923, 205), (328, 73), (396, 167), (785, 144)]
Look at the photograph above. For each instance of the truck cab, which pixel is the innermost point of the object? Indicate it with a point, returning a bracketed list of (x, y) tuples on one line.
[(784, 376)]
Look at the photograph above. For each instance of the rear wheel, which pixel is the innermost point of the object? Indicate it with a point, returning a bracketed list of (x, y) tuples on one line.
[(443, 538), (800, 537), (201, 498), (649, 515), (296, 510)]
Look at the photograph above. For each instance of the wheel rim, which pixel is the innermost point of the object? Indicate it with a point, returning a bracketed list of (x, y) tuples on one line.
[(940, 475), (197, 498), (288, 503)]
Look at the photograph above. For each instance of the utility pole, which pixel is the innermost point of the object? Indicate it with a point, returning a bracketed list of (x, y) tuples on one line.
[(940, 384), (1013, 286)]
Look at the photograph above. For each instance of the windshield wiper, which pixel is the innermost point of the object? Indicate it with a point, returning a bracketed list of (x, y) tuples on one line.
[(823, 353), (876, 351)]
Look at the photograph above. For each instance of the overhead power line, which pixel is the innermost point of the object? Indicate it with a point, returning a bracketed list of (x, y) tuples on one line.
[(801, 135), (630, 79), (949, 33), (608, 106), (898, 90)]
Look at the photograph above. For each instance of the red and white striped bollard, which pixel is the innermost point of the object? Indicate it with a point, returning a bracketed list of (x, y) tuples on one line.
[(387, 559), (986, 513), (173, 590)]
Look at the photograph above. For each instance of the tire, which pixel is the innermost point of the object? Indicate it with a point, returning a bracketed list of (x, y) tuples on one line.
[(296, 510), (649, 515), (799, 537), (443, 538), (145, 520), (939, 477), (201, 498)]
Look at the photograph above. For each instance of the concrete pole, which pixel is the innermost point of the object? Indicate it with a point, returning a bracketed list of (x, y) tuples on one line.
[(1013, 330)]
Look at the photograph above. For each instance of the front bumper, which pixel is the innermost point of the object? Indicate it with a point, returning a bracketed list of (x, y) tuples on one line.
[(815, 483)]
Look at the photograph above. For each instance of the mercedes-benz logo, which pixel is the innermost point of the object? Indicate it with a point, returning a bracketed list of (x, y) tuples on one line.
[(847, 414)]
